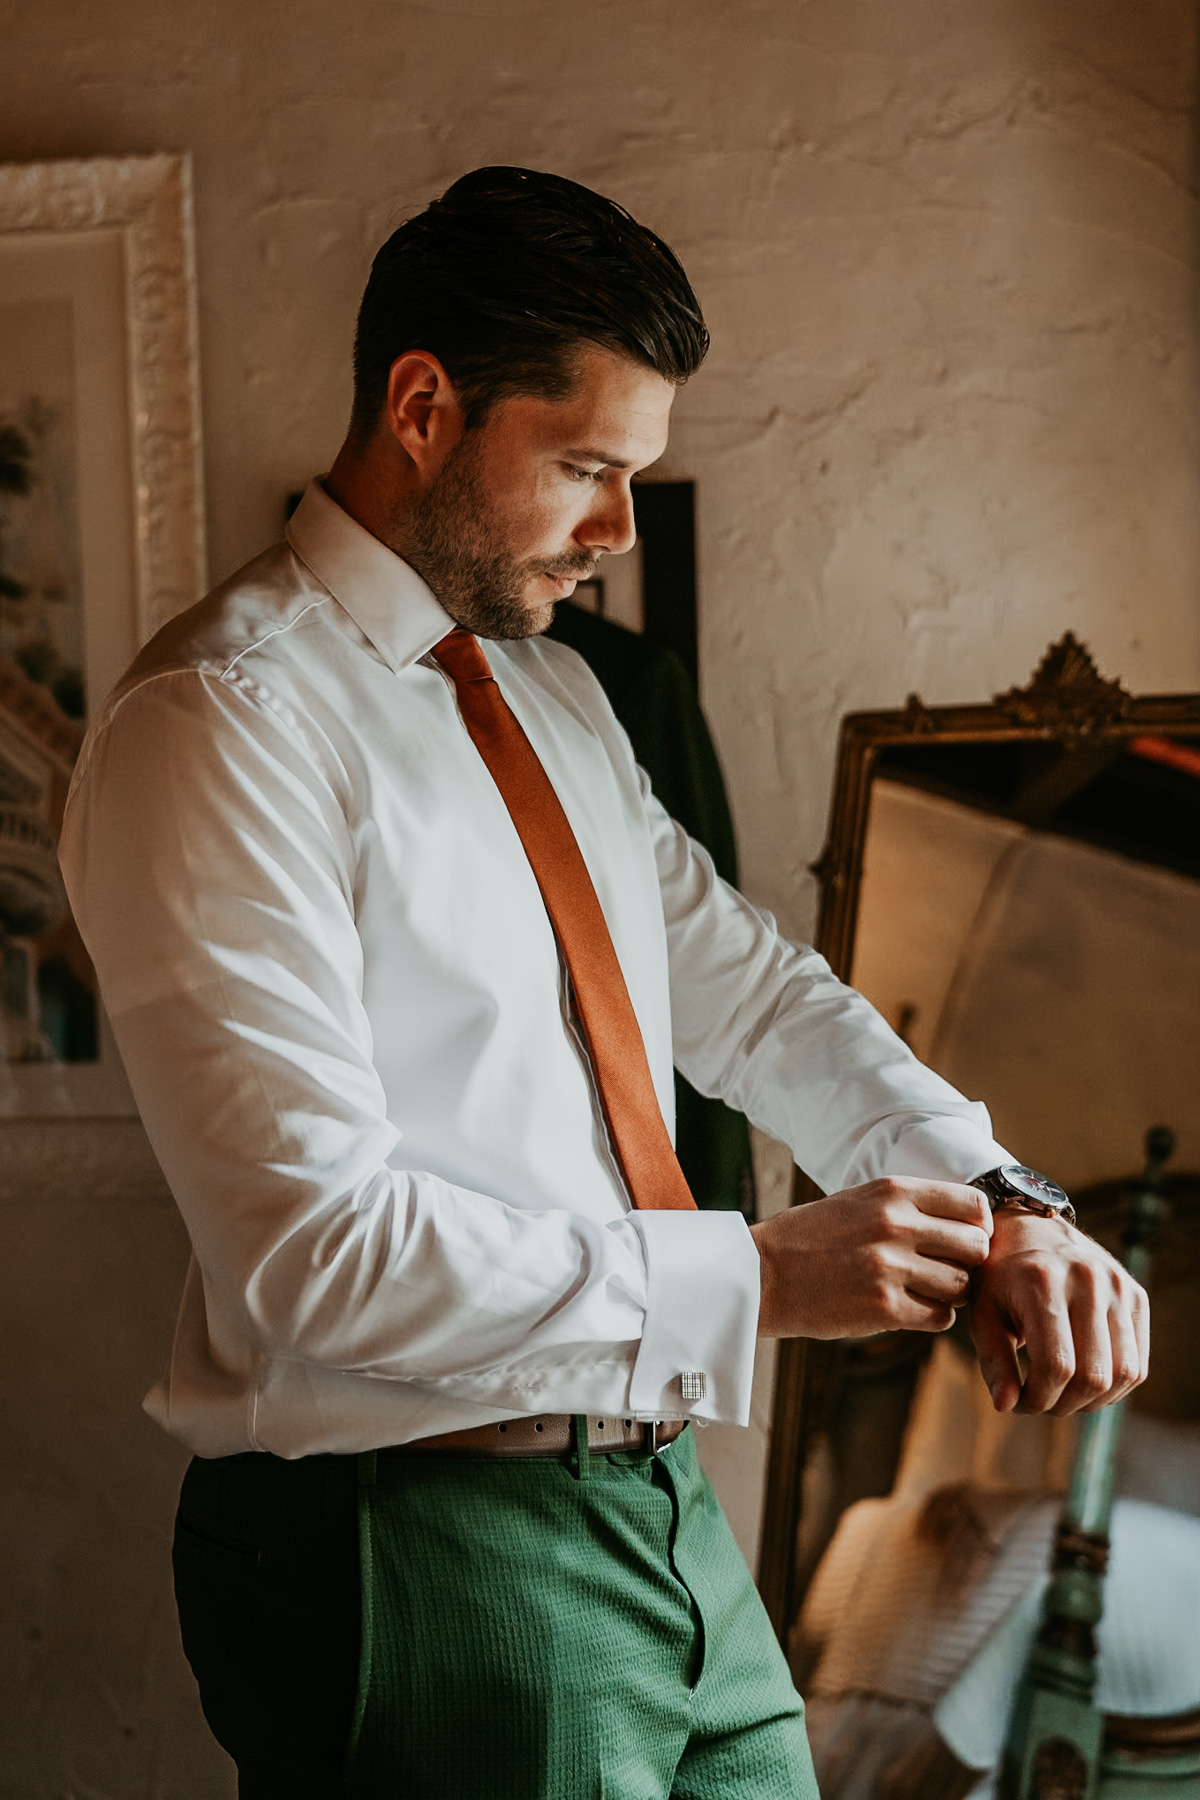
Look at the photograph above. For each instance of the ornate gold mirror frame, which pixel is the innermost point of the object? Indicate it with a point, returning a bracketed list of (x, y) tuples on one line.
[(1067, 701)]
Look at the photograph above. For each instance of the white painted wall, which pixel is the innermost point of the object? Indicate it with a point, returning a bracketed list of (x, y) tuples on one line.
[(948, 251)]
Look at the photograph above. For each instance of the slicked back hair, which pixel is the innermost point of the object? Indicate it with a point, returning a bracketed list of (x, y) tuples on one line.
[(505, 278)]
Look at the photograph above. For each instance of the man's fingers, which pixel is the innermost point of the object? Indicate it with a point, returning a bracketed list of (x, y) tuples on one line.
[(954, 1200), (945, 1283), (1129, 1318), (1126, 1355), (1082, 1318), (949, 1241), (917, 1313), (1141, 1326), (1092, 1383), (1126, 1352), (996, 1347), (1050, 1347)]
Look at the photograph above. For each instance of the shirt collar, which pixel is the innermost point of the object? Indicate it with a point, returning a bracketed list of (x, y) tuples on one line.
[(386, 598)]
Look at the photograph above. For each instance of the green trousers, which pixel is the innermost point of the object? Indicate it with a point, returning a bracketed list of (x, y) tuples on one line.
[(396, 1628)]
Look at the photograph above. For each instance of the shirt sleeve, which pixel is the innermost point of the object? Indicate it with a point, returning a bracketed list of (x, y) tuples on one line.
[(211, 868), (766, 1024)]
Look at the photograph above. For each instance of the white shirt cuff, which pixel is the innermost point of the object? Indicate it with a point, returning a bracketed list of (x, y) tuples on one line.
[(696, 1359), (933, 1149)]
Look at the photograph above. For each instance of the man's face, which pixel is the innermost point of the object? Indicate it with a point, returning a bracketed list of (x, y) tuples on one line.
[(525, 503)]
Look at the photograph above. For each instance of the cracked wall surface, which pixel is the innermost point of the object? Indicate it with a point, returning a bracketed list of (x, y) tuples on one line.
[(948, 252)]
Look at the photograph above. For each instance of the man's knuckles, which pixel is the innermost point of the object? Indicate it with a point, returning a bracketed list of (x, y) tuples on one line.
[(880, 1275), (891, 1207), (1134, 1301), (1093, 1284), (1092, 1381), (1127, 1367), (1051, 1369), (890, 1189)]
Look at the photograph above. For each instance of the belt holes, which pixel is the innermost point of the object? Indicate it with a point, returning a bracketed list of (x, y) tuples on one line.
[(599, 1424), (628, 1424), (502, 1427), (539, 1426)]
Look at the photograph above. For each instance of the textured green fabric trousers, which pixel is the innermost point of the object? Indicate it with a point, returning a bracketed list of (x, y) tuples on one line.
[(445, 1629)]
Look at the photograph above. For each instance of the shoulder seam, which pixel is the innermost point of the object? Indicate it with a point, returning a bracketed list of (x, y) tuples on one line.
[(224, 676), (288, 625)]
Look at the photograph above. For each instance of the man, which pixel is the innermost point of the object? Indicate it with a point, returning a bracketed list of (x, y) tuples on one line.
[(398, 950)]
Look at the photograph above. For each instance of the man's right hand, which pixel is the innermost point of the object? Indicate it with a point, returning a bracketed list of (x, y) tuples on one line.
[(893, 1255)]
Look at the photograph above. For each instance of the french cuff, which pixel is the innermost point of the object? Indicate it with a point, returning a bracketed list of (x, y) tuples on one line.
[(938, 1149), (696, 1358)]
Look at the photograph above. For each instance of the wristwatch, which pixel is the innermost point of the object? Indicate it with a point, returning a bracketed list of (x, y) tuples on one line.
[(1012, 1184)]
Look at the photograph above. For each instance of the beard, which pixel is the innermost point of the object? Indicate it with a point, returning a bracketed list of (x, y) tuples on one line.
[(455, 542)]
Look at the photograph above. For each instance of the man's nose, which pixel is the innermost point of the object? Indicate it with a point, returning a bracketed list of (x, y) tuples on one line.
[(609, 525)]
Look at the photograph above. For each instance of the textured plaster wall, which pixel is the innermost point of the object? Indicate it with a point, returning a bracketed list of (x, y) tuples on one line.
[(948, 252), (947, 249), (96, 1702)]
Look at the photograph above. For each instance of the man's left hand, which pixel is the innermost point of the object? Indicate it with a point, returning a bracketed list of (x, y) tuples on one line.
[(1083, 1320)]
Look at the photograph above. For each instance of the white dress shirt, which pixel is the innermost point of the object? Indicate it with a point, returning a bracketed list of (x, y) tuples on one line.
[(342, 1011)]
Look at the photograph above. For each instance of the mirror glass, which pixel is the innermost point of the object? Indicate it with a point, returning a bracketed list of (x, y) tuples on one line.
[(1029, 922), (1016, 887)]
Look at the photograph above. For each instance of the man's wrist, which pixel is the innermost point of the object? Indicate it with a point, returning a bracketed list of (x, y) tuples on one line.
[(1013, 1229), (766, 1281)]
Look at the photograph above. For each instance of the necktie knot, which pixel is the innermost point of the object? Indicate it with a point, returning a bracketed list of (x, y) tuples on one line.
[(461, 655)]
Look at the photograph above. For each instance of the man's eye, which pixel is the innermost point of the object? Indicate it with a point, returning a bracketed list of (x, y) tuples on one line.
[(578, 474)]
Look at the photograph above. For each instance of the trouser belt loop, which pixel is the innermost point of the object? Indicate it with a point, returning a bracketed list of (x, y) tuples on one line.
[(583, 1455)]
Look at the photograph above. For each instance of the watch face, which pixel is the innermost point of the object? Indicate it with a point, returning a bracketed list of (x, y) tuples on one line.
[(1038, 1189)]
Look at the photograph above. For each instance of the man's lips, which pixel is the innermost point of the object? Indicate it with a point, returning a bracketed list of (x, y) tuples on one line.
[(565, 579)]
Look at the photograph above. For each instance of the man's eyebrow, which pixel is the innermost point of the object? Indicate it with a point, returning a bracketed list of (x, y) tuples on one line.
[(598, 456)]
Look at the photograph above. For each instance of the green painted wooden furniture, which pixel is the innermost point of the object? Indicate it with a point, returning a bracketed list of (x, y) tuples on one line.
[(1060, 1746)]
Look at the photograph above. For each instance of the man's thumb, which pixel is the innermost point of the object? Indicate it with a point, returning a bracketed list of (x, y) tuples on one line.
[(996, 1347)]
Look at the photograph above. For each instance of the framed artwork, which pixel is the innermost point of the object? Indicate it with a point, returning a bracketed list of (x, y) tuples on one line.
[(101, 541)]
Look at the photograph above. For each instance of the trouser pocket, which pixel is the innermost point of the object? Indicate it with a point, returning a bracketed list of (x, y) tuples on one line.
[(217, 1592), (267, 1586)]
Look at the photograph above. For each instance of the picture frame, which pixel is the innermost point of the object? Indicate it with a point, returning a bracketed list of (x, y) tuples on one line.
[(101, 541)]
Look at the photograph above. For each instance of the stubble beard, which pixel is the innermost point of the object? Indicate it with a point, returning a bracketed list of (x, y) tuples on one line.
[(455, 542)]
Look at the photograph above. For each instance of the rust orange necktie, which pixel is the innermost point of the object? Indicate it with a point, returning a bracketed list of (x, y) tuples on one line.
[(610, 1028)]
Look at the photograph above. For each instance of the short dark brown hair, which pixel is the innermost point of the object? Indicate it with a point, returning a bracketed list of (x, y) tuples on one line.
[(505, 277)]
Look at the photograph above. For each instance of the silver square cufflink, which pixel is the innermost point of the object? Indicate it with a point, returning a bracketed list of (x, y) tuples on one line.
[(693, 1384)]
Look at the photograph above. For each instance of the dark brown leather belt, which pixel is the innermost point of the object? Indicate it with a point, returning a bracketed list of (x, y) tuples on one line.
[(545, 1434)]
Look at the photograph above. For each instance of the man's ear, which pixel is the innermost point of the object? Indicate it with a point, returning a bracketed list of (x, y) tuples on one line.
[(423, 411)]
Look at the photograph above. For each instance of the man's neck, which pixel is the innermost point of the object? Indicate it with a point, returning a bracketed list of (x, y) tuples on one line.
[(370, 492)]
